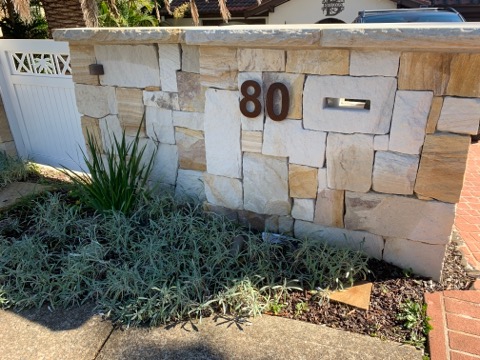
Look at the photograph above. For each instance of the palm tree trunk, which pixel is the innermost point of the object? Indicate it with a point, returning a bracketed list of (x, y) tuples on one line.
[(63, 14), (10, 8)]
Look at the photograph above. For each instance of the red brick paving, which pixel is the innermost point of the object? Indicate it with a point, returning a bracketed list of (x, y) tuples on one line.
[(456, 314), (467, 220)]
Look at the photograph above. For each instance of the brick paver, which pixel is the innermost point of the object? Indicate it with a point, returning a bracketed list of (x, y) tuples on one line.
[(456, 314), (467, 220)]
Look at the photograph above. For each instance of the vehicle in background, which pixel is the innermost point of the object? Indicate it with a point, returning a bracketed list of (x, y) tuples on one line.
[(409, 16)]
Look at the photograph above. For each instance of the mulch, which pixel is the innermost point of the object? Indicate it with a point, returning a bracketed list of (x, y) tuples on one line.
[(392, 286)]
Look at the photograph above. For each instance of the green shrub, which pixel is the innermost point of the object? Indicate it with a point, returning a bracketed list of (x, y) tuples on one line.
[(16, 28), (414, 318), (117, 181), (163, 262), (12, 169)]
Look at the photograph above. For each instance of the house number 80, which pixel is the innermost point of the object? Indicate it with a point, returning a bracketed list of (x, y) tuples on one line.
[(257, 106)]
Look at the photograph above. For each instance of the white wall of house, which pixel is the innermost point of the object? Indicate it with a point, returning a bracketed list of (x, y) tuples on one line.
[(310, 11), (306, 12)]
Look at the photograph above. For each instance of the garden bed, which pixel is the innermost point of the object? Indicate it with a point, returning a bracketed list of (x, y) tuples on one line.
[(168, 262)]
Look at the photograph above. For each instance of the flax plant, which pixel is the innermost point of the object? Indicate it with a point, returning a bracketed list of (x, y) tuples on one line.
[(117, 181)]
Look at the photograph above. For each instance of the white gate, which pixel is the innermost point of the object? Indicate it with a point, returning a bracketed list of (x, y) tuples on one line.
[(39, 98)]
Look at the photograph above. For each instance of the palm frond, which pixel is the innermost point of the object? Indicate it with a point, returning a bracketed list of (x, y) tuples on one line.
[(22, 8)]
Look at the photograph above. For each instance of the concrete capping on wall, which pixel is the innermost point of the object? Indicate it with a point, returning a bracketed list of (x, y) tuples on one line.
[(434, 37), (382, 172)]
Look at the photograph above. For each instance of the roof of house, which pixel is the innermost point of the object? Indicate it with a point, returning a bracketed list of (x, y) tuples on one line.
[(249, 8), (211, 7)]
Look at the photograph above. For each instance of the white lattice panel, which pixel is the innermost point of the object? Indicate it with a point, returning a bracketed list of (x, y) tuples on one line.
[(56, 65), (35, 77)]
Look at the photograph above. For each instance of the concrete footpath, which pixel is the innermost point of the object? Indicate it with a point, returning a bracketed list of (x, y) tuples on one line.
[(79, 334)]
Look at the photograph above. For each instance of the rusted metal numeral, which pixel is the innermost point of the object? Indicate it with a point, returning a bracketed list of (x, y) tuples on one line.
[(257, 105), (285, 101), (253, 98)]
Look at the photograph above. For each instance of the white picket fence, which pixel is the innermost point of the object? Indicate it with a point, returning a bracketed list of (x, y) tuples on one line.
[(38, 94)]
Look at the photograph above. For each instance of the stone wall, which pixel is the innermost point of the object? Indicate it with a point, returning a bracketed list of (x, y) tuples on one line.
[(6, 139), (384, 176)]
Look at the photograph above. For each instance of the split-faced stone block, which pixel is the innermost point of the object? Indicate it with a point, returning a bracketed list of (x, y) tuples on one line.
[(261, 60), (279, 224), (190, 186), (148, 146), (350, 162), (9, 148), (170, 63), (332, 115), (374, 63), (294, 84), (303, 209), (110, 130), (369, 244), (252, 141), (434, 115), (218, 67), (191, 149), (288, 139), (223, 191), (189, 120), (322, 179), (320, 62), (462, 81), (424, 71), (401, 217), (267, 223), (252, 220), (161, 99), (191, 58), (442, 167), (130, 110), (129, 65), (394, 173), (81, 57), (423, 259), (223, 133), (266, 184), (380, 142), (409, 121), (5, 133), (159, 125), (329, 208), (461, 116), (91, 127), (191, 95), (303, 181), (252, 123), (96, 101), (165, 165), (230, 214)]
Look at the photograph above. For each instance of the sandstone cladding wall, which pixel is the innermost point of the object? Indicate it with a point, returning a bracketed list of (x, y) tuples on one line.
[(386, 178)]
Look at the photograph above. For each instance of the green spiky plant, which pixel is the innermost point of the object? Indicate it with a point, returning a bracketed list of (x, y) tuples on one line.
[(116, 181)]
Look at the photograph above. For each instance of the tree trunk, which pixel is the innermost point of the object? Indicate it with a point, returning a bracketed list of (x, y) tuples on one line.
[(10, 9), (63, 14)]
